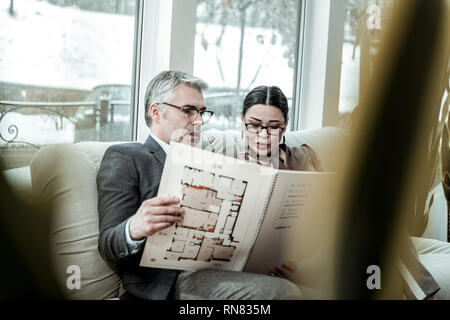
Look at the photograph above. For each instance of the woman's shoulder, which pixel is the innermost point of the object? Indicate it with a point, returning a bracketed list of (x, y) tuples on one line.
[(304, 149), (302, 158)]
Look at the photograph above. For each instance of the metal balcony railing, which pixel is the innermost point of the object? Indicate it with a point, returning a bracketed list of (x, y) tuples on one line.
[(100, 113)]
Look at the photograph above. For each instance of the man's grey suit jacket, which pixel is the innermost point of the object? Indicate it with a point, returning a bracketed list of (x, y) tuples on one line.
[(129, 174)]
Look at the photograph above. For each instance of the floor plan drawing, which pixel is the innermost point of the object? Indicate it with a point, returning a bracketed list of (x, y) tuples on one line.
[(212, 203)]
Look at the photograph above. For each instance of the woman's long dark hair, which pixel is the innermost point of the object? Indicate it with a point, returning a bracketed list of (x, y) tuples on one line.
[(265, 95)]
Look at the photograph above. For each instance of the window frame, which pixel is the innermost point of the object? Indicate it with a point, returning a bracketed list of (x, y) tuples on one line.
[(319, 69), (166, 41)]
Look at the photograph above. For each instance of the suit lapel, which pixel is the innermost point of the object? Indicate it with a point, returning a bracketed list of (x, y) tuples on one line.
[(156, 149)]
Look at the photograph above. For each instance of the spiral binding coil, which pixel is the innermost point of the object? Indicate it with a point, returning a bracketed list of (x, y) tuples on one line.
[(261, 220)]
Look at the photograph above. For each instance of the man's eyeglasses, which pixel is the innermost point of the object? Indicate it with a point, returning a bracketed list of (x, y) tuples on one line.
[(192, 112), (257, 128)]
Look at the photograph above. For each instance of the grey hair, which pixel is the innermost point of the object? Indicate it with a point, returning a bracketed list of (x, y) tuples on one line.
[(161, 88)]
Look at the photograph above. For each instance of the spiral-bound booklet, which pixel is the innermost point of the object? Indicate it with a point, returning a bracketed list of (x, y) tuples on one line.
[(239, 216)]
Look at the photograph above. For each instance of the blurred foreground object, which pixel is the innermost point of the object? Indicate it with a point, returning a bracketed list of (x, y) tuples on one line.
[(390, 145), (25, 245)]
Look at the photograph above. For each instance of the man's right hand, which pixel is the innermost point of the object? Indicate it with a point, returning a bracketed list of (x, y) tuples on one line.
[(155, 215)]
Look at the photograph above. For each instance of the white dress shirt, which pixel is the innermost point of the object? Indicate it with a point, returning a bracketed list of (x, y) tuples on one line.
[(133, 245)]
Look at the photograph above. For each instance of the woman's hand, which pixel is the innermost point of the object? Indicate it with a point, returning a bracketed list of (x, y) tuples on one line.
[(286, 270)]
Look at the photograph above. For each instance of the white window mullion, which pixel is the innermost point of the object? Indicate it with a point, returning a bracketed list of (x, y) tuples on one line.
[(320, 70), (168, 37), (137, 66), (330, 115)]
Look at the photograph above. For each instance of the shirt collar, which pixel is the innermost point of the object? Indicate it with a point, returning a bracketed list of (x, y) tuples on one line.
[(163, 145)]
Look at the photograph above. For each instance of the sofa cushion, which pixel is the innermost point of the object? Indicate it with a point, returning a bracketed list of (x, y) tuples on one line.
[(437, 227), (64, 176)]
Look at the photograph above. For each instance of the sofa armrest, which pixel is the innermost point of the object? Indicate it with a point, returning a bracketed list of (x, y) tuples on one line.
[(64, 177)]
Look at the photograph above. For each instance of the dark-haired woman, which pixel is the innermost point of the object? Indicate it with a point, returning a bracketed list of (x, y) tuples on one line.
[(264, 121)]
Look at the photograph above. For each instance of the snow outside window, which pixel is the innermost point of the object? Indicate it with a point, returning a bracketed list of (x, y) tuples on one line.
[(66, 70), (240, 45)]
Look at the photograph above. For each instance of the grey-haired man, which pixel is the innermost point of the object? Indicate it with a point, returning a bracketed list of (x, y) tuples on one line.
[(129, 209)]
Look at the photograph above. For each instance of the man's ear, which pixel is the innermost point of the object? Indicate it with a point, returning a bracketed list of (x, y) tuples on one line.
[(154, 113)]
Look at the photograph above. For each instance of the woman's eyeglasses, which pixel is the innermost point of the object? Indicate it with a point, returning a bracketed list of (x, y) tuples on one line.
[(254, 128)]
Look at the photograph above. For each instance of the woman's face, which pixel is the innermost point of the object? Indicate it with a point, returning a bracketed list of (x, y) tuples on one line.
[(263, 144)]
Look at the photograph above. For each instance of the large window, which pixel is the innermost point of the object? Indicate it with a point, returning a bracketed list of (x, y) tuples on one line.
[(243, 44), (66, 70), (365, 22)]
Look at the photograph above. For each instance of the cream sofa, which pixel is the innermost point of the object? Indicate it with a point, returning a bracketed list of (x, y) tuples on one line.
[(64, 175)]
